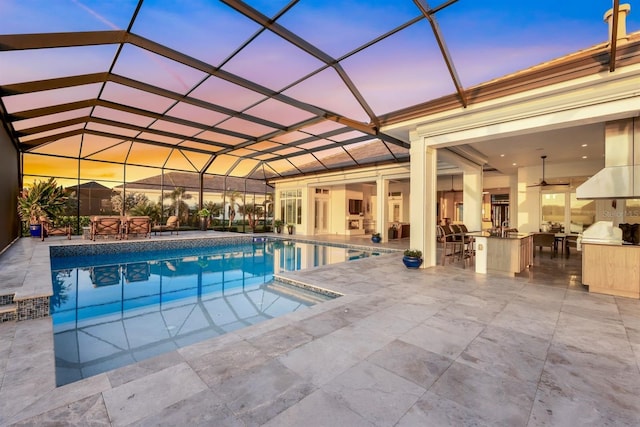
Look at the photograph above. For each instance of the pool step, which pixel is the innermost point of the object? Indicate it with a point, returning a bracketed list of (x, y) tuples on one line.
[(8, 313), (8, 309), (6, 299)]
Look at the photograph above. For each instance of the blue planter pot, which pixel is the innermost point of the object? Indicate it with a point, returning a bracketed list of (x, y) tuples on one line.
[(411, 262), (376, 239), (34, 230)]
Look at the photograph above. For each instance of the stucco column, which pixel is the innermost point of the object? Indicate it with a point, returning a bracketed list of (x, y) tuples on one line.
[(308, 210), (514, 218), (424, 168), (382, 203), (472, 185), (472, 197)]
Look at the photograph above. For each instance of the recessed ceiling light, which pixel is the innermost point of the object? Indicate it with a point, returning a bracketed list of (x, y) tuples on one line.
[(513, 164), (501, 155), (584, 157), (584, 145)]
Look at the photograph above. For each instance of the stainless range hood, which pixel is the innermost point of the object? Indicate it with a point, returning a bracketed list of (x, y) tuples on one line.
[(620, 178)]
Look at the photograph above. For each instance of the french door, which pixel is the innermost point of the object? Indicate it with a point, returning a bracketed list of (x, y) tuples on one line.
[(321, 216)]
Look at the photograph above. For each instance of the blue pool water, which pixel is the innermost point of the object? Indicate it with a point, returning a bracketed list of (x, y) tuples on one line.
[(113, 310)]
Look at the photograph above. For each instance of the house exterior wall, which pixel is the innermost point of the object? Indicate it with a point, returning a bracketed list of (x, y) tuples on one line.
[(591, 99), (342, 185)]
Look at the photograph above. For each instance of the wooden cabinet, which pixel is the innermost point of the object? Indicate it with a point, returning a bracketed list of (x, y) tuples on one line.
[(611, 269)]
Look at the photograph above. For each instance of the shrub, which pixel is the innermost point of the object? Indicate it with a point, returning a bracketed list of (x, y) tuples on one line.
[(413, 253)]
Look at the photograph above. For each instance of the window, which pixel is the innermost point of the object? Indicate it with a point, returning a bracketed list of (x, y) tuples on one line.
[(459, 212), (583, 214), (631, 211), (553, 208), (564, 212), (291, 206)]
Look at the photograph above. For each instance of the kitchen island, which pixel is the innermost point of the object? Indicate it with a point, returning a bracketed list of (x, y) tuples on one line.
[(508, 254)]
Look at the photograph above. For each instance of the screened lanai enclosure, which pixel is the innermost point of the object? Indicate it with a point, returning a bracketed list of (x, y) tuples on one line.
[(161, 107)]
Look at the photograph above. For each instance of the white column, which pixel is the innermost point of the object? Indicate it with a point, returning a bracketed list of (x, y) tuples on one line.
[(424, 165), (382, 203), (472, 183), (308, 199), (513, 202), (472, 197)]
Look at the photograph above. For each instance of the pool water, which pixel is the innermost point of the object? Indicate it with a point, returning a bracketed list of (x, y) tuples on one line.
[(113, 310)]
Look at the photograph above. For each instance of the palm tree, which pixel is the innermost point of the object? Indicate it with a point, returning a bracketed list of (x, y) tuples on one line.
[(177, 196), (150, 209), (215, 208), (233, 195), (268, 205), (130, 201), (60, 288), (249, 209)]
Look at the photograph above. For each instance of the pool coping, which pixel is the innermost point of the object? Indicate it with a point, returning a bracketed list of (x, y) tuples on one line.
[(303, 285)]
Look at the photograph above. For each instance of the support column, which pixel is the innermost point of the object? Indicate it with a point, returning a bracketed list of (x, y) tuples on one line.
[(513, 202), (382, 207), (308, 209), (472, 197), (472, 184), (424, 167)]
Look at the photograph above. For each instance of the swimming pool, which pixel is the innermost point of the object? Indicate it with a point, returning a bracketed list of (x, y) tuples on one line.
[(113, 310)]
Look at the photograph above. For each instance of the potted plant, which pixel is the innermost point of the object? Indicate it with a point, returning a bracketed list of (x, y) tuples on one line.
[(412, 258), (376, 238), (277, 224), (42, 199), (290, 228), (204, 214)]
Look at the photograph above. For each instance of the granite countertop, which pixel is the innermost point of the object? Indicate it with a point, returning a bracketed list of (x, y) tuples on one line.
[(510, 235)]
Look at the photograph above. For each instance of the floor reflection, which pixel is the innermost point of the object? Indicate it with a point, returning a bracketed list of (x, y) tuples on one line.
[(559, 271)]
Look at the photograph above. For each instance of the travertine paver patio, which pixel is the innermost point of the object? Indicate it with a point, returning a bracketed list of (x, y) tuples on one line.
[(441, 346)]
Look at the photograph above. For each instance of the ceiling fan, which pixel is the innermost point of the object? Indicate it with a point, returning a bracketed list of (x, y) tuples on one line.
[(544, 183)]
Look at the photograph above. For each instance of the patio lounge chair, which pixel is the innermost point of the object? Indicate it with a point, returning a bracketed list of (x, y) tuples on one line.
[(50, 228), (106, 226), (138, 225), (172, 225)]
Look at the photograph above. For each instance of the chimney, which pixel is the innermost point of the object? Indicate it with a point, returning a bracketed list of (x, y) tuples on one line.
[(621, 33)]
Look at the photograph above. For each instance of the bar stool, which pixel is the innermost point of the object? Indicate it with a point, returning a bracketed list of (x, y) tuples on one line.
[(469, 244), (451, 245)]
